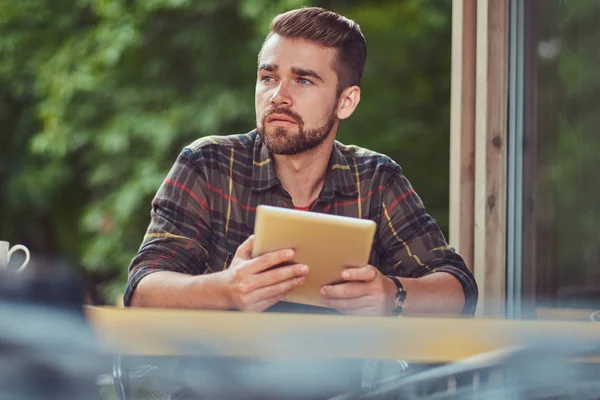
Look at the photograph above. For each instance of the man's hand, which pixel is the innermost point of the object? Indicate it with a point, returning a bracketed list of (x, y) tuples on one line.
[(366, 292), (250, 287)]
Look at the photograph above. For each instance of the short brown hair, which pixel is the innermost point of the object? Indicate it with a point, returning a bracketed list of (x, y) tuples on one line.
[(330, 30)]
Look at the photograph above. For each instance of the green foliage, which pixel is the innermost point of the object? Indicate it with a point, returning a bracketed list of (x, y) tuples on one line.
[(97, 97)]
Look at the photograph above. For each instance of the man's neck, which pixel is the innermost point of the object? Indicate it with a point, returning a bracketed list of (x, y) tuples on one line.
[(303, 175)]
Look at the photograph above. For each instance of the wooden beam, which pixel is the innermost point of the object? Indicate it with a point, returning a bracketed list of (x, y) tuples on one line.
[(491, 122), (462, 128)]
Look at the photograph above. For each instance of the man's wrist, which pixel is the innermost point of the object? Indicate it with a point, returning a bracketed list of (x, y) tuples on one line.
[(214, 285), (224, 290)]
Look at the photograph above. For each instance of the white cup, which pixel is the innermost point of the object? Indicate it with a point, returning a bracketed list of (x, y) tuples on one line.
[(6, 252)]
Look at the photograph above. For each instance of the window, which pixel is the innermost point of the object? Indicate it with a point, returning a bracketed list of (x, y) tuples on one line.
[(555, 103)]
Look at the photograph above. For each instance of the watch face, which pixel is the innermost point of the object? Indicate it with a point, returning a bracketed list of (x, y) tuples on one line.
[(398, 303)]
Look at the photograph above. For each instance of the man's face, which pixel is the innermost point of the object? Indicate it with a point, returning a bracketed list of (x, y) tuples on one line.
[(296, 99)]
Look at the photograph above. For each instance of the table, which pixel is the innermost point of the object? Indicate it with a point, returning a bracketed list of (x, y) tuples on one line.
[(156, 332)]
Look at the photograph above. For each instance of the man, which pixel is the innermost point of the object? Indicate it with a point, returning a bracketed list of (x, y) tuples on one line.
[(197, 250)]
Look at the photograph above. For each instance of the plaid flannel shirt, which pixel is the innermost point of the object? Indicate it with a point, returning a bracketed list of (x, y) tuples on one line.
[(206, 207)]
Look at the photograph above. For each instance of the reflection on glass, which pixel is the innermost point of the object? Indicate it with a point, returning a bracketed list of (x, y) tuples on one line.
[(561, 193)]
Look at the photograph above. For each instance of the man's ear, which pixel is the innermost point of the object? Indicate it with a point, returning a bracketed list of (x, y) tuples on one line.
[(348, 102)]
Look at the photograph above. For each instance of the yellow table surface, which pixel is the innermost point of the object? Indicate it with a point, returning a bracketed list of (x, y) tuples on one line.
[(155, 332)]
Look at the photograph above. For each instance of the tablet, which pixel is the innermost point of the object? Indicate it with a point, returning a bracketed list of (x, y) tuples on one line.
[(326, 243)]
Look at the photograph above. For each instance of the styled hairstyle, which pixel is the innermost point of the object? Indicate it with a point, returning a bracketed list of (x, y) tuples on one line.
[(329, 30)]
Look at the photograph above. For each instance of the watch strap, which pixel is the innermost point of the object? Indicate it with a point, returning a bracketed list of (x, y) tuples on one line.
[(400, 299)]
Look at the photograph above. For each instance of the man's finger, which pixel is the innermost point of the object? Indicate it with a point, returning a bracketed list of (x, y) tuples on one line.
[(349, 290), (264, 304), (244, 251), (277, 275), (277, 291), (268, 260), (364, 274)]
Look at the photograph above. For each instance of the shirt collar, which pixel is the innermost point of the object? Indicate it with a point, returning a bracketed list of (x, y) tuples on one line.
[(340, 177), (263, 170)]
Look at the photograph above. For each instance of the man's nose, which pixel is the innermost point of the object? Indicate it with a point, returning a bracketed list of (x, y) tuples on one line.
[(281, 96)]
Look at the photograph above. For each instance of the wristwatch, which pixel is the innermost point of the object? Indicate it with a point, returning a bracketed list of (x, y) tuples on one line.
[(400, 300)]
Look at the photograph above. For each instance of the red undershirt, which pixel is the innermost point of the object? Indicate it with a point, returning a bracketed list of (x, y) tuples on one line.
[(305, 208)]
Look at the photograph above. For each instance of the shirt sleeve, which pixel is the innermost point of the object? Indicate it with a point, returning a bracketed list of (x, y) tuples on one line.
[(179, 231), (412, 243)]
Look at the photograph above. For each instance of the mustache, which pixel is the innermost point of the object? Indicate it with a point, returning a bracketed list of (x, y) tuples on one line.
[(285, 111)]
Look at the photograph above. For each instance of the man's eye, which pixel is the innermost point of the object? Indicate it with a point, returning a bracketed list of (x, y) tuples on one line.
[(267, 78), (304, 81)]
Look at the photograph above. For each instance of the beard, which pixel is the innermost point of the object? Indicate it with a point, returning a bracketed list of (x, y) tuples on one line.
[(284, 141)]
